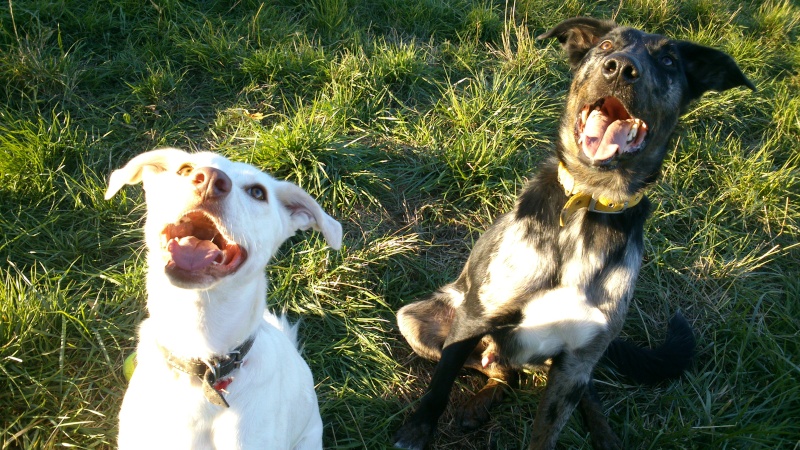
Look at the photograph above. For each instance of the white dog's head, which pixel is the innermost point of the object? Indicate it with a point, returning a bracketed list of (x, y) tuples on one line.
[(209, 218)]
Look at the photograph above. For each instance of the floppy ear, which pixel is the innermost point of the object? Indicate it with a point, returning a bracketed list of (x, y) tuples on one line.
[(578, 35), (155, 161), (709, 69), (304, 213)]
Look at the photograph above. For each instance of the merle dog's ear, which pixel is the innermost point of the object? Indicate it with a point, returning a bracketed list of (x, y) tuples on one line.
[(578, 35), (709, 69)]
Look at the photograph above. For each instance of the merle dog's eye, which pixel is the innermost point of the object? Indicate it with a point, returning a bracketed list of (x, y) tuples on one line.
[(257, 192), (606, 45), (667, 60), (185, 170)]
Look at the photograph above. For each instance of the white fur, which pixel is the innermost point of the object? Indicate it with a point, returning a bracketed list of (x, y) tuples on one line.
[(456, 296), (511, 269), (561, 319), (582, 265), (619, 278), (272, 400)]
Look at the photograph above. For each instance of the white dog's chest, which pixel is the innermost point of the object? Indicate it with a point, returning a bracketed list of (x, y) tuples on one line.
[(271, 396), (171, 408), (176, 414)]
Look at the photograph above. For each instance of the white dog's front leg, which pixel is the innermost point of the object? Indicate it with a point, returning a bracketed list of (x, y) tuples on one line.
[(312, 440), (269, 428), (153, 415)]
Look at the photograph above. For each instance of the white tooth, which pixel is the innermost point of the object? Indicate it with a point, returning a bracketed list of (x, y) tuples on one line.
[(634, 130)]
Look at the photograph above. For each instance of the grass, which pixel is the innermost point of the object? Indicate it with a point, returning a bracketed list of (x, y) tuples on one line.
[(414, 123)]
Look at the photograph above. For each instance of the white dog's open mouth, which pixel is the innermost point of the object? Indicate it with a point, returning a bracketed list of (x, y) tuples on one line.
[(196, 248)]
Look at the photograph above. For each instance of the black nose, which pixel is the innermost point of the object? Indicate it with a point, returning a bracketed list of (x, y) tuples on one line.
[(621, 68), (211, 183)]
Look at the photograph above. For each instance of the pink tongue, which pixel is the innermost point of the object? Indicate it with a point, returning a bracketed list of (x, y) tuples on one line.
[(601, 139), (191, 253)]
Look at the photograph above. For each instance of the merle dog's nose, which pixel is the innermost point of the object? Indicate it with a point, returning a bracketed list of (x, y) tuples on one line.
[(211, 183), (621, 68)]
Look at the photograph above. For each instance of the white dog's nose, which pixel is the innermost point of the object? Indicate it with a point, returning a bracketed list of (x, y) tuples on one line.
[(211, 183)]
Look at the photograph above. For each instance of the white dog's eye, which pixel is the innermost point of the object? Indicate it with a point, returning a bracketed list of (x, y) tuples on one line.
[(185, 170), (257, 192)]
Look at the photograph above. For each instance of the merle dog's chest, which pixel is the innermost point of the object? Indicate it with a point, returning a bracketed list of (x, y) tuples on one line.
[(546, 288), (520, 258)]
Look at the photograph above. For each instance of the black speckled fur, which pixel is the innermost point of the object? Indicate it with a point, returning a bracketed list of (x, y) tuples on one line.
[(534, 292)]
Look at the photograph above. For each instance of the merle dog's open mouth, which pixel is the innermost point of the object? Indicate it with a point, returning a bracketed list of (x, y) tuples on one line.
[(196, 248), (605, 130)]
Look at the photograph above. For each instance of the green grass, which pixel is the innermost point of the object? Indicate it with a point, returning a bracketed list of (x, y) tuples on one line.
[(415, 123)]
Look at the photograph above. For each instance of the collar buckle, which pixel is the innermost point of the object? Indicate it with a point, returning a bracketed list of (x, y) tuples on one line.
[(213, 371), (577, 200)]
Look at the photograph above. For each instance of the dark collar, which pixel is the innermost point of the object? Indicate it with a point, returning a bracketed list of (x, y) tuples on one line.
[(213, 371)]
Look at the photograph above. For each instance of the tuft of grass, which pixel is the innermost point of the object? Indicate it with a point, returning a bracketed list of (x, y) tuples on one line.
[(415, 124)]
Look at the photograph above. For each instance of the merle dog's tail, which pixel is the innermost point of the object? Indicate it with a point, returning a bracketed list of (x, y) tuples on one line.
[(652, 365)]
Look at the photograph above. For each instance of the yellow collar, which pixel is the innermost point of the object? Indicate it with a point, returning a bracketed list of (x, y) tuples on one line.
[(579, 200)]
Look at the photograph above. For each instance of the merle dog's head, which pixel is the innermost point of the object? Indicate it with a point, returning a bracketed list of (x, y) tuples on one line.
[(628, 90)]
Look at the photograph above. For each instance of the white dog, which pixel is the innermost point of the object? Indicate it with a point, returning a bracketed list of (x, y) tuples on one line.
[(216, 370)]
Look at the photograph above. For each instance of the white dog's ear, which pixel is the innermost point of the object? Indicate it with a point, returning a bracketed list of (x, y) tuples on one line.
[(304, 213), (155, 161)]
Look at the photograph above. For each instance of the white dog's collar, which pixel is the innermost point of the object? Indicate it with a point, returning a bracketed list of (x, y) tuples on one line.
[(214, 372)]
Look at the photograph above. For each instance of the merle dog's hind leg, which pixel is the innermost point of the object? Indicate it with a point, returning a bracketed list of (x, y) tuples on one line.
[(476, 411), (421, 425), (425, 324), (464, 335)]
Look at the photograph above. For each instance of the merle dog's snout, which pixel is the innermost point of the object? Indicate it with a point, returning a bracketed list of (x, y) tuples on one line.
[(211, 183), (621, 68)]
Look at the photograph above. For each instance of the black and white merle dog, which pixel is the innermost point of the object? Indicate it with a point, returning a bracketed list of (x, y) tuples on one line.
[(550, 282)]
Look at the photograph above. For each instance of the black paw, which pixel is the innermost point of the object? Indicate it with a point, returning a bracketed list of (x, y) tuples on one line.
[(473, 415), (606, 442), (413, 435)]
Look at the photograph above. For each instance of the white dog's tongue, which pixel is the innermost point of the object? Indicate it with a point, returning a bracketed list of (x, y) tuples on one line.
[(603, 138), (191, 253)]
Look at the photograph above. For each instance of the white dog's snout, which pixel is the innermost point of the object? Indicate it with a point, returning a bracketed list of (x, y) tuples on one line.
[(211, 183)]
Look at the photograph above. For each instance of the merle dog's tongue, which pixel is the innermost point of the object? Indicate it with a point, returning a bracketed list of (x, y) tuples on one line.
[(191, 253), (602, 138)]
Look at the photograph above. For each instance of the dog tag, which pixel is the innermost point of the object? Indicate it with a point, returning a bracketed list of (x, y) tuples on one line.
[(213, 395)]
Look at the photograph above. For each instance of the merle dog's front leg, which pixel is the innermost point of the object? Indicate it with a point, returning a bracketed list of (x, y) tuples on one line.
[(591, 409), (567, 383), (420, 427)]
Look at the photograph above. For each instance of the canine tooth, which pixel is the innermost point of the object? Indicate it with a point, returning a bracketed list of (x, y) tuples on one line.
[(634, 130)]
